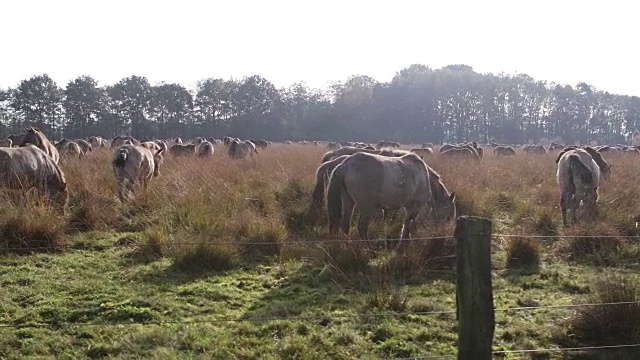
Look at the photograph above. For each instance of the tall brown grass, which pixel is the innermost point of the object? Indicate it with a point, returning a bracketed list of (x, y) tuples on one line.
[(260, 206)]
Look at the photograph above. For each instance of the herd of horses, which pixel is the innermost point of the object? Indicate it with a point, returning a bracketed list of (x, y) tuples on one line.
[(372, 179)]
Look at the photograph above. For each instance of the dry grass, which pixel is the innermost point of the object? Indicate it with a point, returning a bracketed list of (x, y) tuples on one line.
[(217, 215), (263, 204)]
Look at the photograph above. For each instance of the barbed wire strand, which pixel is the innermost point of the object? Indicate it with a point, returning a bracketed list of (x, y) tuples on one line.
[(236, 242), (524, 351), (300, 242), (567, 236), (318, 317)]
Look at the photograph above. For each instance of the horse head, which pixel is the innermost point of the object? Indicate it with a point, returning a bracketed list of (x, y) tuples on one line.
[(158, 159)]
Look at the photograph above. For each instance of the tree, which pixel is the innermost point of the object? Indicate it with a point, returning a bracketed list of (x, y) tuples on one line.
[(212, 106), (171, 108), (129, 105), (84, 105), (38, 102)]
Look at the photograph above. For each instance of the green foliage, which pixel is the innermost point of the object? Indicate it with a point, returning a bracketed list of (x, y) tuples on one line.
[(419, 104)]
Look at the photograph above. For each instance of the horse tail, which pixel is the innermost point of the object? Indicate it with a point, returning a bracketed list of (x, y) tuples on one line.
[(318, 191), (578, 169), (334, 198), (121, 159)]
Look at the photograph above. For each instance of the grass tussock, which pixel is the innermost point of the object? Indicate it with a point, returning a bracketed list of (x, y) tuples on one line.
[(608, 324), (33, 230), (596, 243), (523, 254)]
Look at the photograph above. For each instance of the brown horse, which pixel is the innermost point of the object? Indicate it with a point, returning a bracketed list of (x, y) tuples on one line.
[(374, 182), (182, 150), (134, 164), (36, 137), (29, 167)]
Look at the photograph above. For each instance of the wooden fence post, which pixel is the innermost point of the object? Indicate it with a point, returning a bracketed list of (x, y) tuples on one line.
[(474, 294)]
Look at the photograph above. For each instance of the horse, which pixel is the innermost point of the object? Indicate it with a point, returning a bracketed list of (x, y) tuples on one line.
[(332, 145), (605, 168), (67, 147), (383, 143), (29, 167), (151, 145), (345, 150), (6, 142), (241, 149), (504, 151), (182, 150), (374, 182), (96, 142), (84, 145), (119, 140), (442, 202), (322, 175), (534, 149), (461, 152), (205, 149), (260, 143), (578, 178), (36, 137), (132, 164), (163, 145)]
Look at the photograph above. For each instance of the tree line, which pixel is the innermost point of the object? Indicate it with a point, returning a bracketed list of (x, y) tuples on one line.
[(420, 104)]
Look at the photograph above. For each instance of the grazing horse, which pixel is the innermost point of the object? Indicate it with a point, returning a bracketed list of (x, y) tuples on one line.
[(96, 142), (29, 167), (205, 149), (84, 145), (182, 150), (163, 145), (383, 143), (345, 150), (322, 176), (67, 147), (442, 203), (262, 144), (578, 178), (504, 151), (332, 145), (36, 137), (534, 149), (241, 149), (605, 168), (132, 164), (461, 152), (119, 140), (372, 183), (151, 145)]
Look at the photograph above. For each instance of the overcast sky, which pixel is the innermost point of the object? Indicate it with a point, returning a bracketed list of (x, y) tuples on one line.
[(318, 41)]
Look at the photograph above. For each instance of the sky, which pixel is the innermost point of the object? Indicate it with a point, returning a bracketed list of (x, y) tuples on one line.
[(318, 42)]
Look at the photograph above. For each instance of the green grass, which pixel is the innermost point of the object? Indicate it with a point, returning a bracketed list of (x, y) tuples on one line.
[(180, 272)]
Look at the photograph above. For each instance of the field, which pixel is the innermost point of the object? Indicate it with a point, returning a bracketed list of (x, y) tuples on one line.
[(221, 259)]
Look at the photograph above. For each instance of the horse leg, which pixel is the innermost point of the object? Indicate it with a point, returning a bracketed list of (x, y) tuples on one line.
[(565, 203), (347, 212), (363, 223), (409, 227)]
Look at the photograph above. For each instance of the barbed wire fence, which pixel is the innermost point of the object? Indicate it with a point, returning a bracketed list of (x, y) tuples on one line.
[(317, 242)]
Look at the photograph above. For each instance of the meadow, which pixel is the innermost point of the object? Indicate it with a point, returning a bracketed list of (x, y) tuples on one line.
[(221, 259)]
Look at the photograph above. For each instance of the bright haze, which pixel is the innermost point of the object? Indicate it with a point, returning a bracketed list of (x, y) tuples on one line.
[(318, 41)]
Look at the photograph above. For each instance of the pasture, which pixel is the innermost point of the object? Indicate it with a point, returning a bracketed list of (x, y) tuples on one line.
[(220, 259)]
